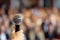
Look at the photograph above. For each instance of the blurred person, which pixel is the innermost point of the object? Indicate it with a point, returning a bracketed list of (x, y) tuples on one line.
[(45, 25), (57, 14), (29, 26), (3, 12), (51, 34), (52, 16), (27, 22), (38, 30), (37, 33), (7, 27), (11, 13), (6, 23), (27, 16), (53, 19), (3, 34)]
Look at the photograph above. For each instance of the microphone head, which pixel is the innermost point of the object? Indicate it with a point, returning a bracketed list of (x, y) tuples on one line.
[(17, 19)]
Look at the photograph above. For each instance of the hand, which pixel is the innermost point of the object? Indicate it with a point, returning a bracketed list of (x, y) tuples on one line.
[(17, 35)]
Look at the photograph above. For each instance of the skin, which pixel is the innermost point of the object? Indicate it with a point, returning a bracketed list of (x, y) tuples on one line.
[(17, 35)]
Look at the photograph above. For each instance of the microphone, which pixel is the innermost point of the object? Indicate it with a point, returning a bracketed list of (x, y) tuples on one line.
[(17, 19)]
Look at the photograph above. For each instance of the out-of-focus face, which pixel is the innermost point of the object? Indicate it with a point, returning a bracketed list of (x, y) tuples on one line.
[(6, 23), (2, 12)]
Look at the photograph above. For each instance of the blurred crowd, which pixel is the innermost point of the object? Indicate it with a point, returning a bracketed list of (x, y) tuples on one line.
[(38, 23)]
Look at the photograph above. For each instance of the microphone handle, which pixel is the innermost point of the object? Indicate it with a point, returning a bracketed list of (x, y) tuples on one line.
[(17, 28)]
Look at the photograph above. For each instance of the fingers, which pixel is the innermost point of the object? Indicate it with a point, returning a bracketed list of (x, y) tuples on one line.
[(20, 35), (21, 31)]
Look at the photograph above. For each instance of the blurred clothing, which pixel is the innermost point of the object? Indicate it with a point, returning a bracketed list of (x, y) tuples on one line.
[(50, 36), (4, 36), (45, 28), (36, 36)]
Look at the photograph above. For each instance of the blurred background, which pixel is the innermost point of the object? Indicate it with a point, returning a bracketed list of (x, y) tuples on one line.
[(41, 18)]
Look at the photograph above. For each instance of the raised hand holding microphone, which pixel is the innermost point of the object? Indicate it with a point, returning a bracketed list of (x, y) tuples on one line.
[(17, 33)]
